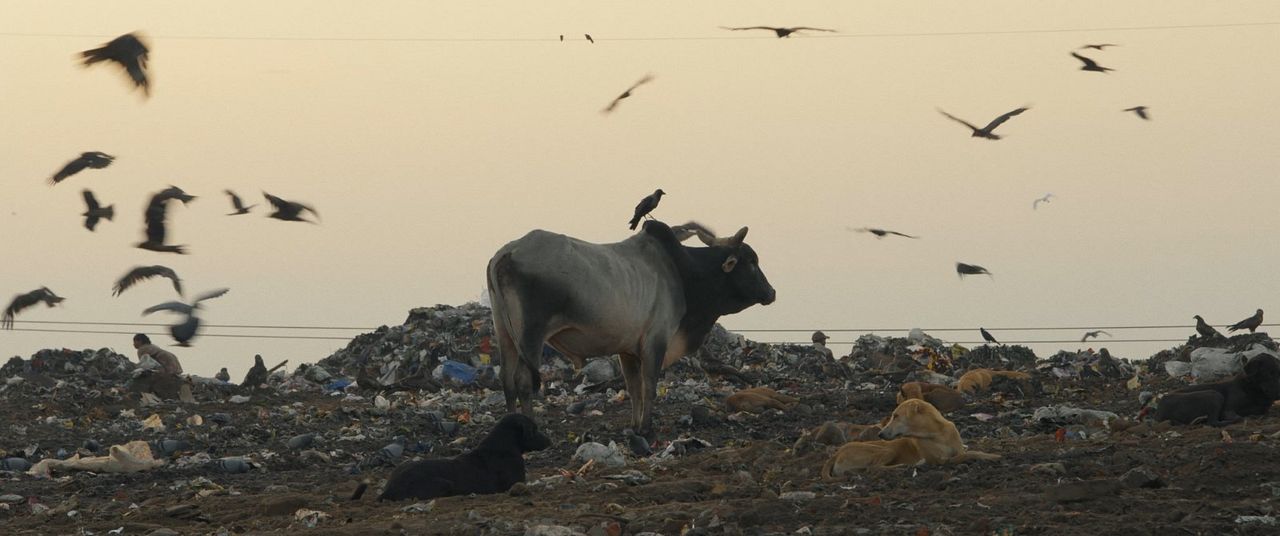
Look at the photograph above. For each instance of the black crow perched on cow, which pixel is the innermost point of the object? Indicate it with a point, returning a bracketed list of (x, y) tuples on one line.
[(23, 301), (646, 206), (89, 160), (648, 298), (495, 465), (1251, 392)]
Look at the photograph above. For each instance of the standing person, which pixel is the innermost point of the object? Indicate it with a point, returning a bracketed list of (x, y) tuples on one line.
[(820, 344)]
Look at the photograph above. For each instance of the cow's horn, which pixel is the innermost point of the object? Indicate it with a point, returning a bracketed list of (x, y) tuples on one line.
[(738, 237)]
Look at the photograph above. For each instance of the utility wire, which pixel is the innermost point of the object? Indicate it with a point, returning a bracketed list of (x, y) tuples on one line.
[(227, 335), (555, 38)]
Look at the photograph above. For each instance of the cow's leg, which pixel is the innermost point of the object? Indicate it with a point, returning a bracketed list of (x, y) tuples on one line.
[(633, 376), (650, 368), (510, 359), (531, 342)]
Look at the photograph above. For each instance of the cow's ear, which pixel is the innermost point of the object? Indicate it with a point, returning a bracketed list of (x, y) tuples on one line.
[(738, 237), (729, 263)]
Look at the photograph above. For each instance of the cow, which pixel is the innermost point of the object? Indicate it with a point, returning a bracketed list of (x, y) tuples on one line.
[(648, 298)]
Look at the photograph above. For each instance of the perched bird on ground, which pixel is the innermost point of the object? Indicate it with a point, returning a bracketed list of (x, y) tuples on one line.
[(185, 331), (880, 233), (963, 269), (1204, 329), (1093, 335), (1099, 46), (1090, 65), (646, 206), (638, 445), (89, 160), (1036, 204), (1140, 110), (140, 273), (614, 103), (1250, 323), (986, 336), (23, 301), (129, 52), (781, 32), (289, 210), (222, 375), (155, 220), (257, 374), (93, 211), (237, 204), (588, 36), (986, 132)]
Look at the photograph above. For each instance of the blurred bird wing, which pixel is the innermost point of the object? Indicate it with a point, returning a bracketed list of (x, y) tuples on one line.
[(1087, 62), (770, 28), (91, 201), (957, 119), (177, 307), (645, 80), (71, 168), (997, 121), (154, 218), (275, 201), (811, 28), (140, 273), (235, 200), (901, 234), (211, 295)]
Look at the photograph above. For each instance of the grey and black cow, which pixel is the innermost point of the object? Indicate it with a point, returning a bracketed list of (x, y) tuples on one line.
[(648, 298)]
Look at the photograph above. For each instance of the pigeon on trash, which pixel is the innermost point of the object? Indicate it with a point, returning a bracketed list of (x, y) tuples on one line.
[(963, 269), (90, 160), (646, 206), (23, 301), (1090, 65), (94, 212), (986, 336), (155, 220), (985, 132), (780, 32), (614, 103), (130, 53), (638, 445), (1250, 323), (1093, 335), (1204, 329), (223, 375), (141, 273)]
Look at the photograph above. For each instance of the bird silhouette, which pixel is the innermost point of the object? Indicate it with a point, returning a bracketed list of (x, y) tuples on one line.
[(646, 206), (986, 132), (1090, 65), (1036, 204), (93, 211), (222, 375), (1252, 323), (880, 233), (1140, 110), (614, 104), (141, 273), (1099, 46), (1093, 335), (588, 36), (185, 331), (289, 210), (780, 32), (92, 160), (1204, 329), (129, 52), (237, 204), (986, 336), (155, 220), (963, 269), (23, 301)]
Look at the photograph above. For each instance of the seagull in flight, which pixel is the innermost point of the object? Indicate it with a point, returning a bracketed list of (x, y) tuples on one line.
[(1090, 65), (986, 132), (614, 104), (1099, 46), (1140, 110), (1036, 204), (1093, 335), (880, 233), (781, 32)]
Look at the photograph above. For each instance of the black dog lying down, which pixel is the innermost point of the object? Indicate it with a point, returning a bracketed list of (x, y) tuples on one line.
[(1221, 403), (493, 467)]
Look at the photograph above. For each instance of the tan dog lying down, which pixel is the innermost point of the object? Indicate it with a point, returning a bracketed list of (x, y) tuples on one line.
[(131, 457), (758, 399), (916, 433), (942, 397), (835, 434), (979, 380)]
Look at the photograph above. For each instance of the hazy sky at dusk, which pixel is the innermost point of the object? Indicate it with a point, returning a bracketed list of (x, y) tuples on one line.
[(424, 157)]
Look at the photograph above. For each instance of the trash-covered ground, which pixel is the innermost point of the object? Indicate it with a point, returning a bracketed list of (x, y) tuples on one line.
[(284, 456)]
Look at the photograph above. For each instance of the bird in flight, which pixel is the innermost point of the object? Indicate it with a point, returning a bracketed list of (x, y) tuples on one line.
[(154, 219), (781, 32), (1036, 204), (23, 301), (614, 104), (289, 210), (986, 336), (1140, 110), (1090, 65), (1093, 335), (646, 206), (186, 330), (237, 204), (92, 159), (1099, 46), (986, 132), (141, 273), (588, 36), (129, 52), (1204, 329), (94, 211), (963, 269), (1252, 323), (880, 233)]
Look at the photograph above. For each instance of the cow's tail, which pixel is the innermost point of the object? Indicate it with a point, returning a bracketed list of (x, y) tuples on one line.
[(503, 271), (826, 468)]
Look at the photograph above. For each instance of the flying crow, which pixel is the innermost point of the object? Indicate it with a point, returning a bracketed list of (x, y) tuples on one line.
[(140, 273), (289, 210), (646, 206), (614, 104), (880, 233), (154, 219), (92, 159), (94, 211), (23, 301), (237, 204), (1090, 65), (588, 36), (963, 269), (129, 52), (1036, 204), (1140, 110), (1093, 335), (985, 132), (186, 330), (781, 32)]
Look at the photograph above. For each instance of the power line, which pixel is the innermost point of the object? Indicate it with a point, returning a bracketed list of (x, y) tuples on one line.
[(147, 324), (555, 38), (1096, 342), (226, 335)]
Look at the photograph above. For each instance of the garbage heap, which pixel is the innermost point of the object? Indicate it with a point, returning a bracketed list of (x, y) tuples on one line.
[(1086, 364), (90, 367), (898, 357), (1206, 359)]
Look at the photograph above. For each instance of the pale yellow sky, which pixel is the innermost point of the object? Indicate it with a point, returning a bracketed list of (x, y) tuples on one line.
[(424, 157)]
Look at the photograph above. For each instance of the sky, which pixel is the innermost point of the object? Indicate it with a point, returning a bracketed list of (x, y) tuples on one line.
[(429, 134)]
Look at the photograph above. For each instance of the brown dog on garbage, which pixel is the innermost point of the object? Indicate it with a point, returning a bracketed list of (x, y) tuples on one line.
[(942, 397), (916, 433), (758, 399), (979, 380), (834, 434), (1221, 403)]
